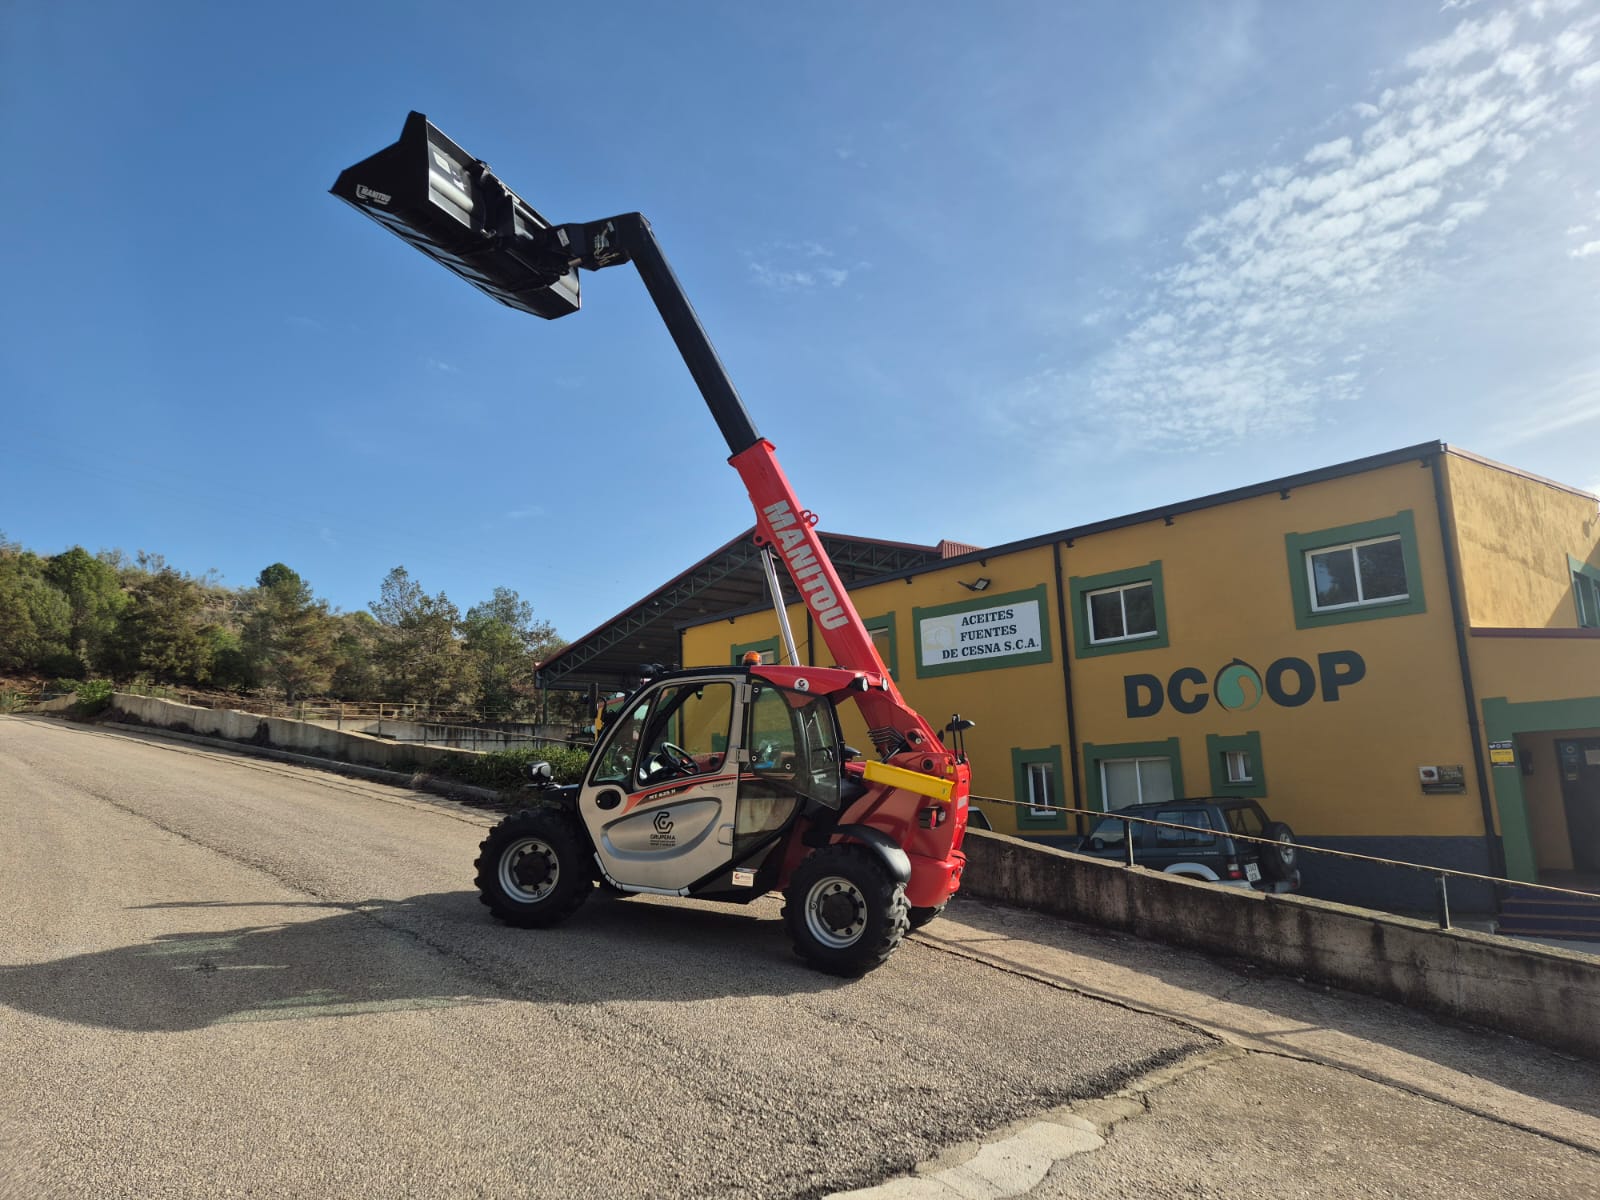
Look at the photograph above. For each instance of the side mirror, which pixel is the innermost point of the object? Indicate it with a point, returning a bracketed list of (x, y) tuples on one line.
[(541, 774)]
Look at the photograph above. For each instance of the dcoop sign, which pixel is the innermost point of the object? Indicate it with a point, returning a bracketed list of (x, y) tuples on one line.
[(1239, 687)]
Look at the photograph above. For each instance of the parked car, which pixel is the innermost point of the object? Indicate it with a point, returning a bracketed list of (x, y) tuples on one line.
[(1206, 849)]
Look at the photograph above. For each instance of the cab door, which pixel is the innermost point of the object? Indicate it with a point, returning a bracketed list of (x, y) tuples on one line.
[(661, 794)]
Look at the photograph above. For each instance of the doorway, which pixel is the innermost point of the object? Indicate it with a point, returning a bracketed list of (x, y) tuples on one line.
[(1578, 762)]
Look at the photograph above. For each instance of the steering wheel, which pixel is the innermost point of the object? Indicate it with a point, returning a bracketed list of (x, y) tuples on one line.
[(678, 758)]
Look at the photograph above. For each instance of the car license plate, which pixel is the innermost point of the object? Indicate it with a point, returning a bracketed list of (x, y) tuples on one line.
[(1252, 872)]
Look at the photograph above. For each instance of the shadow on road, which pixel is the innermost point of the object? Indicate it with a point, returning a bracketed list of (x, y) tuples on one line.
[(427, 951)]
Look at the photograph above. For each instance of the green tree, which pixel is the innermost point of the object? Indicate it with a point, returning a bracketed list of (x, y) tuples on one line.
[(230, 666), (419, 654), (503, 644), (94, 599), (355, 651), (289, 634), (35, 620), (163, 630)]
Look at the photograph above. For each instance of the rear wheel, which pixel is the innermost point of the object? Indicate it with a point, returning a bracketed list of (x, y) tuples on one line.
[(1278, 860), (534, 868), (844, 912)]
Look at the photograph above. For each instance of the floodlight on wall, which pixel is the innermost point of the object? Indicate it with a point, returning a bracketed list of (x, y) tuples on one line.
[(433, 194)]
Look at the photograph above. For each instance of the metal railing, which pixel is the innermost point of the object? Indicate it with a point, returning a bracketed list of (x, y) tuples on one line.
[(1442, 875)]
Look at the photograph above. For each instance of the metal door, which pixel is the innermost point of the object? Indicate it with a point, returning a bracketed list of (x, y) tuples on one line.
[(1578, 760), (660, 796)]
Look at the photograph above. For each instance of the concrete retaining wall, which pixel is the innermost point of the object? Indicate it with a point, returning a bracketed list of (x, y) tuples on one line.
[(462, 737), (302, 737), (1548, 995)]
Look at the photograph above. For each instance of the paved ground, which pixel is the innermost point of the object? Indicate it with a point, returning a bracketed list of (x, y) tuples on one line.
[(221, 976)]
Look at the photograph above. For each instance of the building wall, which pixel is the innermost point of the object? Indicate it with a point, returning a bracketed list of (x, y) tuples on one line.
[(1513, 577), (1343, 762), (1342, 758), (1340, 710)]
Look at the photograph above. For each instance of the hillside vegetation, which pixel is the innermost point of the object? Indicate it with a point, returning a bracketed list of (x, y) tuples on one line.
[(75, 616)]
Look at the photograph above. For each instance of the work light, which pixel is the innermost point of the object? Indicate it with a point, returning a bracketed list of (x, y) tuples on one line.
[(449, 205)]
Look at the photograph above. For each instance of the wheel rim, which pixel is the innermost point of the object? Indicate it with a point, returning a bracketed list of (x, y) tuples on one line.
[(1286, 849), (529, 870), (836, 912)]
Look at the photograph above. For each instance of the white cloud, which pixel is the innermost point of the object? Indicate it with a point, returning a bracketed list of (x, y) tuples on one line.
[(1568, 403), (798, 266), (1253, 327), (1586, 250), (1337, 150)]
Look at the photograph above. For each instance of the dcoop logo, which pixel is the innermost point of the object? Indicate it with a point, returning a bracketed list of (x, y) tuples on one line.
[(1239, 687)]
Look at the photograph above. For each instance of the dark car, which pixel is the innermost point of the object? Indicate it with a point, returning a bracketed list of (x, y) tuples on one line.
[(1206, 848)]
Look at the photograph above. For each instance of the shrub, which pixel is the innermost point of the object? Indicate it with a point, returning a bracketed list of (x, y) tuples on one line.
[(508, 769), (94, 696)]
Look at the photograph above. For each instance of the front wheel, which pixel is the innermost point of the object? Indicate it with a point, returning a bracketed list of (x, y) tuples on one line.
[(534, 868), (843, 911)]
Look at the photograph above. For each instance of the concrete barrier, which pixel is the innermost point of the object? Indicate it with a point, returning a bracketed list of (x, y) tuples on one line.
[(300, 737), (1541, 993)]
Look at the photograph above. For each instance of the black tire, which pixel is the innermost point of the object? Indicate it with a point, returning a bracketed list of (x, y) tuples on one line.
[(534, 868), (1278, 860), (921, 916), (844, 912)]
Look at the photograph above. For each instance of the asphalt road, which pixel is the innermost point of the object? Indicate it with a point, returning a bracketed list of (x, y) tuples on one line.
[(222, 976)]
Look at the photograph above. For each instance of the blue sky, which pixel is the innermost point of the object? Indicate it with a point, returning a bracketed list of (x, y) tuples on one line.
[(979, 271)]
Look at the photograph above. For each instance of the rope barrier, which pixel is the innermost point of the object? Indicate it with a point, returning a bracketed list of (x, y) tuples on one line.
[(1241, 837)]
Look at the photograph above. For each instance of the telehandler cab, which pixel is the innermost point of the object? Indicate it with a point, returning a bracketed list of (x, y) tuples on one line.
[(723, 783)]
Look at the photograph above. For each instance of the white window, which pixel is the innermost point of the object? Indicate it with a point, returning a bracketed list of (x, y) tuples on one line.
[(1121, 614), (1041, 789), (1238, 765), (1356, 574), (1125, 781)]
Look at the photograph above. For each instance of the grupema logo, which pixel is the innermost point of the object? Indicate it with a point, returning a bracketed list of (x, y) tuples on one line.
[(1237, 686)]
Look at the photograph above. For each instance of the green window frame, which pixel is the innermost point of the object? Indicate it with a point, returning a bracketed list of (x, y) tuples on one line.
[(766, 646), (1301, 546), (1585, 592), (1082, 586), (1094, 755), (885, 624), (1027, 658), (1218, 746), (1021, 763)]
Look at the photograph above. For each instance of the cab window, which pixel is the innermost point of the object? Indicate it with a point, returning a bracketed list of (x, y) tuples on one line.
[(794, 743), (679, 733), (614, 763), (686, 734)]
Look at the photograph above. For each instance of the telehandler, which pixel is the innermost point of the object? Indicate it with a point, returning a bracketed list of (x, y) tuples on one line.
[(721, 783)]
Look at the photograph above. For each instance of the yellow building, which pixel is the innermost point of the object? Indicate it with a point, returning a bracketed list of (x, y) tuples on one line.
[(1400, 656)]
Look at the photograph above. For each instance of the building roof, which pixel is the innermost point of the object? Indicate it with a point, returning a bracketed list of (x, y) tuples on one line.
[(730, 578)]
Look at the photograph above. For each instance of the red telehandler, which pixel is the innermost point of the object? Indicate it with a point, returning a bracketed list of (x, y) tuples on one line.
[(722, 783)]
